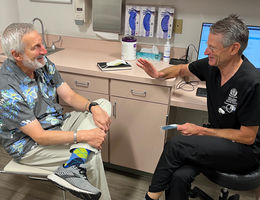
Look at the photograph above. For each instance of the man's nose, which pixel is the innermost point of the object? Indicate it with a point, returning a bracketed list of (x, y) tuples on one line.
[(206, 52), (43, 50)]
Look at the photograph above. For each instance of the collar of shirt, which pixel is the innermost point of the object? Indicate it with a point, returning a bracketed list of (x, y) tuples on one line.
[(11, 69)]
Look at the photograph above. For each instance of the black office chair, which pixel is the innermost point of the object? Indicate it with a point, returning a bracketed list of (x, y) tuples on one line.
[(239, 182)]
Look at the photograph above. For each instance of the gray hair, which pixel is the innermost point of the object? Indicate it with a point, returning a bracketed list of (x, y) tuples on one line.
[(233, 30), (12, 38)]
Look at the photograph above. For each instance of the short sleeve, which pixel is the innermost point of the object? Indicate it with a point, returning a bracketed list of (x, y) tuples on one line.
[(200, 68), (15, 111)]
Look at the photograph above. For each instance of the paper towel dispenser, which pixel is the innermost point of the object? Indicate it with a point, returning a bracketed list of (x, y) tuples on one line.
[(107, 15)]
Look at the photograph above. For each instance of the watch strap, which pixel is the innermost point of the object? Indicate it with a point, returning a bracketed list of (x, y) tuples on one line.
[(92, 104)]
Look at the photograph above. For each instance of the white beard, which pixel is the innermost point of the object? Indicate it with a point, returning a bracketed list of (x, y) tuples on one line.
[(27, 62)]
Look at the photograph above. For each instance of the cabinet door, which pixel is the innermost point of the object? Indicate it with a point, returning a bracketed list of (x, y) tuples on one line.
[(136, 140)]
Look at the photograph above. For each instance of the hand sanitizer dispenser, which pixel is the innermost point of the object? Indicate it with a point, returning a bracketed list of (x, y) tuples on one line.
[(79, 11)]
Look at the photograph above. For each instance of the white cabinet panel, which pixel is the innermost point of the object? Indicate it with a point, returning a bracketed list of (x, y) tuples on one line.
[(136, 140)]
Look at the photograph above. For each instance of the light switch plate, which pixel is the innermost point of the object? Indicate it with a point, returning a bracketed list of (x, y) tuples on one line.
[(177, 26)]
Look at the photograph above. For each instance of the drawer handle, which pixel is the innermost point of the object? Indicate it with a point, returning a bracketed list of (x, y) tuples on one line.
[(114, 110), (80, 84), (140, 94)]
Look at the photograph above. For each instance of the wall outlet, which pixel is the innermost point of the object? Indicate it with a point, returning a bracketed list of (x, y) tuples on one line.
[(177, 24)]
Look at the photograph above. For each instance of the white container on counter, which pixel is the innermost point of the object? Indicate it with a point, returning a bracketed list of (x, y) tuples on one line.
[(128, 51)]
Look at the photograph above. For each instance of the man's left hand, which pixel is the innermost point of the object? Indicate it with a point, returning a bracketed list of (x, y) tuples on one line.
[(189, 129)]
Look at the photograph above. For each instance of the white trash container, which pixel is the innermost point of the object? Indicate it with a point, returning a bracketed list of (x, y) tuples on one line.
[(128, 48)]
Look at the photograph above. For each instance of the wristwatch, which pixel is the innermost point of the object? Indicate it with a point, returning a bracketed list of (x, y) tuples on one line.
[(92, 104)]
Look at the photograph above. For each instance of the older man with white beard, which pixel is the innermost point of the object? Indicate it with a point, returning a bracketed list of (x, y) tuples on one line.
[(33, 128)]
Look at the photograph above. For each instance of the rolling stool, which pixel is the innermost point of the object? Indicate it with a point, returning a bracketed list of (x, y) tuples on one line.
[(240, 182), (32, 172)]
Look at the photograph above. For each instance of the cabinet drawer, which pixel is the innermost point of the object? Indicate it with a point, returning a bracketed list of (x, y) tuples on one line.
[(86, 83), (158, 94)]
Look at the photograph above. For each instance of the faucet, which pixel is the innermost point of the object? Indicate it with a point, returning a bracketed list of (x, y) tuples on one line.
[(53, 47), (43, 35)]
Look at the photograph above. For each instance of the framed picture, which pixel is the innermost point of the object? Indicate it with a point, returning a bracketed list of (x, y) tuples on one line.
[(53, 1)]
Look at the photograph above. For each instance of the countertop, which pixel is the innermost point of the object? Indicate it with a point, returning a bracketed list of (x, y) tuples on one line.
[(83, 58), (80, 56)]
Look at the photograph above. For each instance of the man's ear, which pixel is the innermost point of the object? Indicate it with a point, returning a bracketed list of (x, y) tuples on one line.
[(235, 48), (16, 55)]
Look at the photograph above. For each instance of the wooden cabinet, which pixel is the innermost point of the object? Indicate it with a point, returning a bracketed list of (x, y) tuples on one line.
[(90, 87), (135, 140), (139, 110)]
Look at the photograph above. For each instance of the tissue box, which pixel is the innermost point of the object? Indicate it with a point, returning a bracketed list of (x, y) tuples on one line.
[(149, 56)]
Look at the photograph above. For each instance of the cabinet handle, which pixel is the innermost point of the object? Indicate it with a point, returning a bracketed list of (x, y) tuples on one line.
[(114, 110), (140, 94), (80, 84)]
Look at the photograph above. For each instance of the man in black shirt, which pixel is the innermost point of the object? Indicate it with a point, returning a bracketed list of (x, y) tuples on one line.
[(231, 142)]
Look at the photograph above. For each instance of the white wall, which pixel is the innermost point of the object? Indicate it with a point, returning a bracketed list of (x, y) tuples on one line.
[(58, 18), (8, 13), (194, 12)]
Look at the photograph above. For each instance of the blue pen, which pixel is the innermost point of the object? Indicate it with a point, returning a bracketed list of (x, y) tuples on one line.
[(170, 126)]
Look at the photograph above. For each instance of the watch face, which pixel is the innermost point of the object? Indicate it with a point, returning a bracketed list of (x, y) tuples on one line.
[(93, 103)]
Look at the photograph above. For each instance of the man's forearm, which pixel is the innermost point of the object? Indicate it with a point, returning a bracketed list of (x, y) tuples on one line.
[(54, 137), (72, 98), (177, 70), (79, 102), (241, 136)]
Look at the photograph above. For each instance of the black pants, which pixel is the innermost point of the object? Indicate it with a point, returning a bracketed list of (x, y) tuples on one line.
[(184, 157)]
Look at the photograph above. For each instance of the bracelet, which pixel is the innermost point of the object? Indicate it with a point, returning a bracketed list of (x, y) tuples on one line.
[(75, 137)]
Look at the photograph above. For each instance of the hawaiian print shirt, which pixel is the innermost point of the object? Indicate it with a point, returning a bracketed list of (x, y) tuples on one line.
[(23, 100)]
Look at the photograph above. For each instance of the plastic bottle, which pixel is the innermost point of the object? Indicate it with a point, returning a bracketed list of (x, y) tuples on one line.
[(167, 52)]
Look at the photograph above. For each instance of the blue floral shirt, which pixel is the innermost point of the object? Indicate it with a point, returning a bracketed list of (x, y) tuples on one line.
[(23, 100)]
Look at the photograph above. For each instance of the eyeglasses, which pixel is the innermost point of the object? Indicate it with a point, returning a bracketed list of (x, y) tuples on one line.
[(214, 49)]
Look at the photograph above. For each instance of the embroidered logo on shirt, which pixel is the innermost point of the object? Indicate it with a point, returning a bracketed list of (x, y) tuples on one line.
[(230, 104)]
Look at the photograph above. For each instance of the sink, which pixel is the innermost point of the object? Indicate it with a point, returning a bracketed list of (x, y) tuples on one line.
[(51, 51)]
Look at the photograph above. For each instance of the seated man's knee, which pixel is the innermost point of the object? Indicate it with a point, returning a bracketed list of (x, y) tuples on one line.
[(173, 141), (185, 174), (103, 102)]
